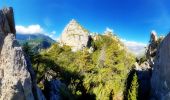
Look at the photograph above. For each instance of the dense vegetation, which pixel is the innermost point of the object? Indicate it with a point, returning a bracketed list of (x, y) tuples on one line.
[(99, 75)]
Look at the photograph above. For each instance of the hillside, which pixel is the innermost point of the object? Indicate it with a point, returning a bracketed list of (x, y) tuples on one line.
[(36, 41), (85, 74)]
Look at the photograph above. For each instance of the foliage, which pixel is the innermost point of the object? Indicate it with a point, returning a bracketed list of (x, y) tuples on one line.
[(133, 91), (27, 49), (99, 75)]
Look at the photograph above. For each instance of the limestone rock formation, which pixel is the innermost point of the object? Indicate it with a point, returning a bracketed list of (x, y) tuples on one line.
[(17, 81), (75, 36), (152, 48), (142, 67), (160, 80)]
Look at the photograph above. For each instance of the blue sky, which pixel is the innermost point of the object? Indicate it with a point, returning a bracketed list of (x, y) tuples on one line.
[(131, 20)]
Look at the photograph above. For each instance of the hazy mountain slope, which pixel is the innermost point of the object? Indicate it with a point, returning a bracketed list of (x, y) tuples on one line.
[(38, 41)]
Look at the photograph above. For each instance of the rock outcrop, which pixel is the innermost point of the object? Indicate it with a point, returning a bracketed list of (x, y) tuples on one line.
[(17, 81), (144, 66), (152, 48), (144, 74), (75, 36), (160, 80)]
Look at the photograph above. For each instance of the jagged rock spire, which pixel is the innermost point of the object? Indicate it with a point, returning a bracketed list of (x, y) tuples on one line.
[(153, 37), (74, 35)]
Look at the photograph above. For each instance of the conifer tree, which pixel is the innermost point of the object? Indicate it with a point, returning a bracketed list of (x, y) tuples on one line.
[(133, 91)]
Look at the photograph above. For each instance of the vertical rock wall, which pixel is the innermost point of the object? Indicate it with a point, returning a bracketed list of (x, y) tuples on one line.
[(17, 80), (160, 80)]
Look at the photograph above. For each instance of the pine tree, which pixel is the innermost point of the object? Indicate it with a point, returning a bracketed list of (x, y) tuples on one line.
[(27, 49), (133, 91)]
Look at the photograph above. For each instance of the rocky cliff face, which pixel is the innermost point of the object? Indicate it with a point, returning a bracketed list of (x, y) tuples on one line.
[(152, 48), (160, 80), (143, 68), (75, 36), (17, 81)]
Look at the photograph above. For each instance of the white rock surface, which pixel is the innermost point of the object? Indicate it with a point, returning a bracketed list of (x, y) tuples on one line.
[(15, 77), (75, 36), (17, 80)]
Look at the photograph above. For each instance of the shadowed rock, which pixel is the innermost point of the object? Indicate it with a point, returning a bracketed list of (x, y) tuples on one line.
[(160, 80), (152, 48)]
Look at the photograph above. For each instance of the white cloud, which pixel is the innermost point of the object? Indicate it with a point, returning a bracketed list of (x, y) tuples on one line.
[(31, 29), (135, 47), (35, 29)]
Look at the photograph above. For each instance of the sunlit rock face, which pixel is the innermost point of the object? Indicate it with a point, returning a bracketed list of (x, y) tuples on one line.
[(17, 80), (75, 36), (160, 80)]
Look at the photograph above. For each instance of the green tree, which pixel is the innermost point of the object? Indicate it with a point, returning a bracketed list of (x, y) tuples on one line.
[(133, 91), (80, 70), (27, 49)]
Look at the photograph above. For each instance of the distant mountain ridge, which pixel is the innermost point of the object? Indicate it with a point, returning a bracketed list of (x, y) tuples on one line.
[(38, 41), (23, 37)]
